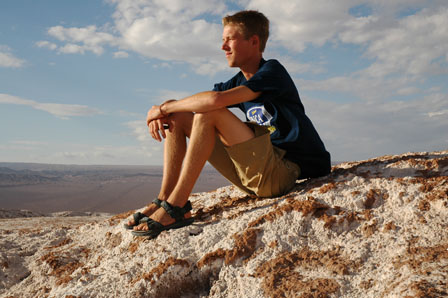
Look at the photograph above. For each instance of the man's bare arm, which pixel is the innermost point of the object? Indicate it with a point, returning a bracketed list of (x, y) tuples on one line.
[(203, 102), (211, 100), (197, 103)]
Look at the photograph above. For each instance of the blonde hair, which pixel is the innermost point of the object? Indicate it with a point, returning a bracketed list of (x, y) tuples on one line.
[(250, 22)]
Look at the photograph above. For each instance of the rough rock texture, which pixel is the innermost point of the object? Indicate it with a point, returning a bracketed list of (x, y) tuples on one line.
[(375, 228)]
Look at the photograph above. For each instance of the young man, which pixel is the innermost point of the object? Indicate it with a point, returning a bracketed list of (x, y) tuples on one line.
[(264, 157)]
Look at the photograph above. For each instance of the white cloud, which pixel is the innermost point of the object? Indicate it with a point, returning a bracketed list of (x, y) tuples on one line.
[(72, 49), (148, 146), (79, 40), (167, 30), (360, 130), (7, 59), (296, 67), (416, 45), (362, 87), (175, 30), (295, 24), (46, 44), (139, 130), (121, 54), (438, 114), (171, 31), (63, 111), (412, 45)]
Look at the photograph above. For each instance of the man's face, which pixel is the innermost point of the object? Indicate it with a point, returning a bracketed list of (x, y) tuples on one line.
[(237, 49)]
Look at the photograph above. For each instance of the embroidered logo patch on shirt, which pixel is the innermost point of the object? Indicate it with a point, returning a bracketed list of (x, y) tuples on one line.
[(260, 116)]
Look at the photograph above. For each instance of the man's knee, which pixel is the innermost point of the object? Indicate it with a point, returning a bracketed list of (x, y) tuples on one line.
[(181, 117), (209, 117), (181, 121)]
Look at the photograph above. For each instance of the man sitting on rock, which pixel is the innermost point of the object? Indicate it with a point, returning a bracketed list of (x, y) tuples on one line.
[(263, 157)]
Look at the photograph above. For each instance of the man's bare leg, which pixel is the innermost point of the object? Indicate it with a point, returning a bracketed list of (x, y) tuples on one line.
[(175, 147), (205, 127)]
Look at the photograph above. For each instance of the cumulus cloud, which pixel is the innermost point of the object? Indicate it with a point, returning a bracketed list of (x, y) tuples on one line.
[(173, 30), (139, 130), (63, 111), (121, 54), (415, 45), (363, 129), (78, 40), (296, 24), (296, 67), (46, 44), (81, 40), (149, 148), (9, 60), (362, 87)]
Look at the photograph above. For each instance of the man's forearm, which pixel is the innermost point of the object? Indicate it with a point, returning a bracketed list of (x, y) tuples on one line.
[(210, 100), (201, 102)]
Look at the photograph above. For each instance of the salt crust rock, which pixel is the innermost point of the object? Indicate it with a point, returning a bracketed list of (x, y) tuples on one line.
[(374, 228)]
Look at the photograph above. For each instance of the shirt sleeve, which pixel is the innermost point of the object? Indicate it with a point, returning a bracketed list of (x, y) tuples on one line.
[(218, 87), (270, 77), (232, 83)]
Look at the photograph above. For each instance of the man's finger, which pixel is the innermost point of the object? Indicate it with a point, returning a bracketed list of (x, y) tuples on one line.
[(153, 130), (162, 128)]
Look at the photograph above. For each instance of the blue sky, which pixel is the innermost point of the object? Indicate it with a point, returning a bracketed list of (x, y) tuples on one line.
[(77, 77)]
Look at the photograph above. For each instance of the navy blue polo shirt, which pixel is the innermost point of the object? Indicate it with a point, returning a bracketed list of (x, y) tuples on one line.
[(279, 107)]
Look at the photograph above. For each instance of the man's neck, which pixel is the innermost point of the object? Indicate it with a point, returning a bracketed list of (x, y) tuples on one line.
[(252, 67)]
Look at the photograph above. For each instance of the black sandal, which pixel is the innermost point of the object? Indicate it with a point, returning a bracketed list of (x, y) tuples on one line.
[(178, 213), (140, 217)]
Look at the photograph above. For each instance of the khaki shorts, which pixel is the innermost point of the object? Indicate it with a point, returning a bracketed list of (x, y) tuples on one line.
[(256, 166)]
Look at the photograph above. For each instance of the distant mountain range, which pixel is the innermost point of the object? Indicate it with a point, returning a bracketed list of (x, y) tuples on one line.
[(10, 177), (20, 174), (48, 188), (15, 174)]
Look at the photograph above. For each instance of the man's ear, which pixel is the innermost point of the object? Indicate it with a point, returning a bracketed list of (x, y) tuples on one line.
[(255, 40)]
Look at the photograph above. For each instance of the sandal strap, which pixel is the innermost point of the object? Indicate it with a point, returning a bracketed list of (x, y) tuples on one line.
[(176, 212), (187, 207), (137, 216), (157, 202)]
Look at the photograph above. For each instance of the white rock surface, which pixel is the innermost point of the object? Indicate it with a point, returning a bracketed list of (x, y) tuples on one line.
[(375, 228)]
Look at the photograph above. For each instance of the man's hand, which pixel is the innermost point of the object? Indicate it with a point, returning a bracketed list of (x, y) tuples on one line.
[(157, 121), (157, 128), (154, 113)]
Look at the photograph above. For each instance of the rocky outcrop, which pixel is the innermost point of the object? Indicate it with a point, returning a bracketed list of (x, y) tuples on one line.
[(374, 228)]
